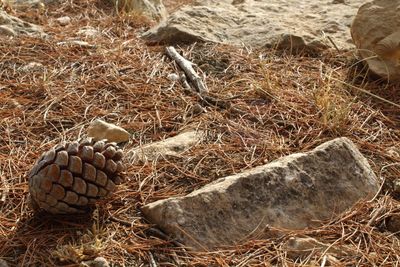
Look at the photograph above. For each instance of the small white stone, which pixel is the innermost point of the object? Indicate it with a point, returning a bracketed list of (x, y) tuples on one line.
[(63, 21), (101, 262), (97, 262), (173, 77), (99, 130), (32, 67), (89, 32)]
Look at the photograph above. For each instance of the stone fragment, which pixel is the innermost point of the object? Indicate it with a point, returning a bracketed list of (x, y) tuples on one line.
[(32, 67), (76, 43), (64, 21), (260, 23), (99, 130), (89, 32), (173, 77), (293, 192), (13, 26), (376, 34), (97, 262), (153, 9), (172, 146)]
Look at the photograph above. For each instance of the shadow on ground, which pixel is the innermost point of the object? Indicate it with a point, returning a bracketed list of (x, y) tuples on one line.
[(46, 237)]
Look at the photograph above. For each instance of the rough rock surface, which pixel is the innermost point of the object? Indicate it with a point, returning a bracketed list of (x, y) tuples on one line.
[(292, 192), (287, 24), (100, 130), (376, 33), (13, 26), (172, 146), (154, 9)]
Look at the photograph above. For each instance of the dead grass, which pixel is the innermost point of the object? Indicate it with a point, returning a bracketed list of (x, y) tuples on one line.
[(289, 104)]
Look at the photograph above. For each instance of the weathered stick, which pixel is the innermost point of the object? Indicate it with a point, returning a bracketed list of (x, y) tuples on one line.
[(200, 89), (186, 66)]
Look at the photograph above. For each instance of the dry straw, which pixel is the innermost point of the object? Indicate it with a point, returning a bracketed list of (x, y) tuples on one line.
[(287, 104)]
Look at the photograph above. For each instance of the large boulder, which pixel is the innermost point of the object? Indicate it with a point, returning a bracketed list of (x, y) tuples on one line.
[(13, 26), (290, 24), (293, 192), (376, 33)]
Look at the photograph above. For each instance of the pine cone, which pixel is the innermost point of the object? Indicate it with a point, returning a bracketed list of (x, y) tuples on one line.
[(72, 176)]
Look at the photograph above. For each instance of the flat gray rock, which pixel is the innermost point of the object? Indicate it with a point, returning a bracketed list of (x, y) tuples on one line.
[(293, 192), (261, 23)]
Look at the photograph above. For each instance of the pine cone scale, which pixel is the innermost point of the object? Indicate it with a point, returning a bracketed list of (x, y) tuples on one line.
[(62, 158)]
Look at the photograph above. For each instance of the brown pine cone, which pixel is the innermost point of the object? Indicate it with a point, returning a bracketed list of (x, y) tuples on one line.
[(72, 176)]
